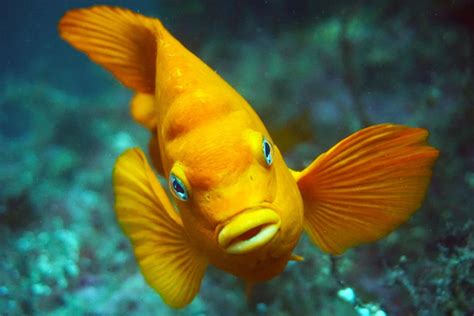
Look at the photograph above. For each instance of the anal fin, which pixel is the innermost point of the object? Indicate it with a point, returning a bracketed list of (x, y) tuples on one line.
[(167, 260)]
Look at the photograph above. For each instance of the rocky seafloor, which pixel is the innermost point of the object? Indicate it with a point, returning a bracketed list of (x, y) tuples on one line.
[(315, 72)]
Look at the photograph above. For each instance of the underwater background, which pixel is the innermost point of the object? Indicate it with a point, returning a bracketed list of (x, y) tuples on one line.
[(315, 71)]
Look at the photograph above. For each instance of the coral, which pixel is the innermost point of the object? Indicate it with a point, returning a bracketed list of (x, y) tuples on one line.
[(442, 285), (43, 266)]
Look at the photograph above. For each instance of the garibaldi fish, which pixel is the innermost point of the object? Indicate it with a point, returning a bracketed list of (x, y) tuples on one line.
[(235, 203)]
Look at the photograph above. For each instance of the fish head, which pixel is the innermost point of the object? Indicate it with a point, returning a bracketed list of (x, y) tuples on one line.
[(238, 196)]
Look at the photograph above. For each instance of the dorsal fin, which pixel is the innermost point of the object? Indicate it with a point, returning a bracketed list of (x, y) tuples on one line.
[(121, 41)]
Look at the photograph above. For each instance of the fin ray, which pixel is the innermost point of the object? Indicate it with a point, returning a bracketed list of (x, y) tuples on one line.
[(122, 41), (169, 263), (365, 186)]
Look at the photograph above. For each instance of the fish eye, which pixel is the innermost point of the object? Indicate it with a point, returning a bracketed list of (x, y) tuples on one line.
[(178, 188), (267, 151)]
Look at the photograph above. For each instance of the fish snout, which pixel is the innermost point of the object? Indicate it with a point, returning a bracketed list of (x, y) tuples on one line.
[(249, 230)]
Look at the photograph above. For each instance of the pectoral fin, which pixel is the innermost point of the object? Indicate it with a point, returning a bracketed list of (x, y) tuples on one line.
[(142, 108), (365, 186), (168, 261), (296, 258)]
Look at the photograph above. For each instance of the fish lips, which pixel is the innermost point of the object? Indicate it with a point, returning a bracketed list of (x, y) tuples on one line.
[(249, 230)]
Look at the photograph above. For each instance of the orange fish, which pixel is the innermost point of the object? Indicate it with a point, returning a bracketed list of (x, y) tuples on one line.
[(236, 204)]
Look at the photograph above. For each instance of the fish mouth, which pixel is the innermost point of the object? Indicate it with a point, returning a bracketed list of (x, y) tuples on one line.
[(249, 230)]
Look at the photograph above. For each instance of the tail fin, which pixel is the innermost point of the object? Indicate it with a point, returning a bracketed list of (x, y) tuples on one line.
[(366, 185), (121, 41)]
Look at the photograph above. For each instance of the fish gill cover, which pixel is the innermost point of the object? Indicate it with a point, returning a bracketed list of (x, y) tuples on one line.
[(315, 72)]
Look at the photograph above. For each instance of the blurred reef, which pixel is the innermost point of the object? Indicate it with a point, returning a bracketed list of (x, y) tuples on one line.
[(315, 71)]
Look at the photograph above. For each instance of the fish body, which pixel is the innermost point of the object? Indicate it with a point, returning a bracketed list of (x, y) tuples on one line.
[(204, 124), (236, 204)]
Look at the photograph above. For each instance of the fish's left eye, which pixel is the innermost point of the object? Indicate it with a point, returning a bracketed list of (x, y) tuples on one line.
[(178, 188), (267, 151)]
